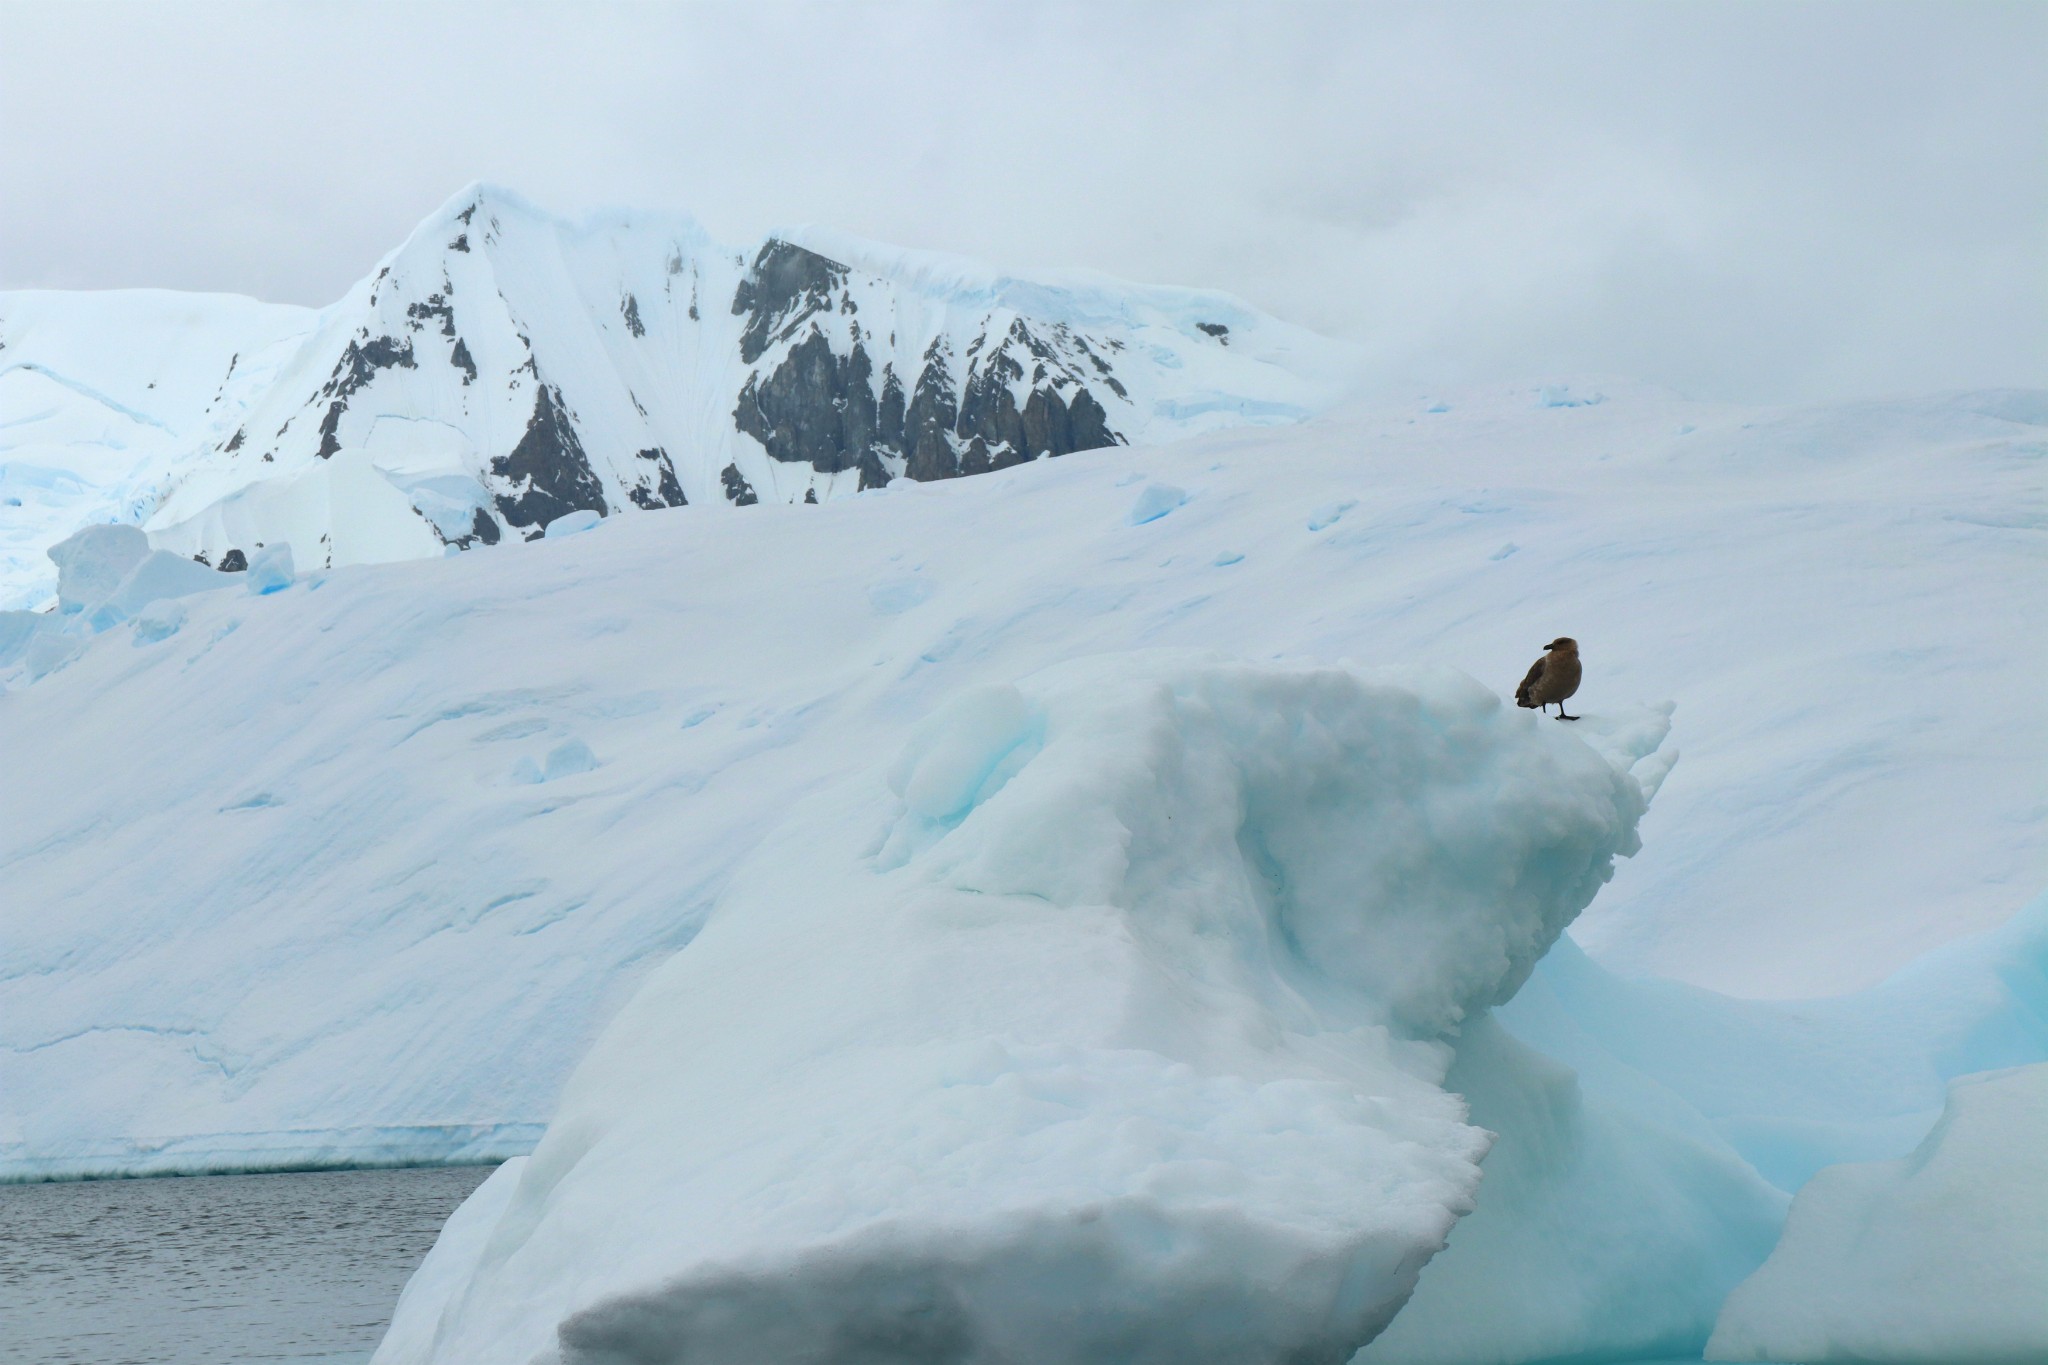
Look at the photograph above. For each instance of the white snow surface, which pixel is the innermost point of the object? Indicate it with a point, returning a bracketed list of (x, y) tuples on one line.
[(1937, 1257), (355, 871), (105, 396), (281, 886), (1103, 1031)]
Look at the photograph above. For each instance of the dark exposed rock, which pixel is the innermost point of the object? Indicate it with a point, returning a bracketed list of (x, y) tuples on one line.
[(786, 286), (436, 306), (460, 359), (810, 497), (467, 214), (234, 561), (330, 426), (629, 308), (873, 473), (235, 441), (815, 408), (820, 408), (200, 558), (549, 474), (482, 531), (460, 244), (738, 491), (666, 491), (359, 364), (1215, 329), (362, 360), (929, 421)]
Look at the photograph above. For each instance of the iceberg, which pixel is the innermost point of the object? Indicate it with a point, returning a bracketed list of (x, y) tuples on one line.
[(574, 523), (1111, 1025), (270, 570), (1602, 1230), (106, 575), (274, 901), (1798, 1085), (1650, 1134), (91, 564), (158, 576), (1939, 1256)]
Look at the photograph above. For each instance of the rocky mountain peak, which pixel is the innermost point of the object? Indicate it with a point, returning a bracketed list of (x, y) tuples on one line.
[(504, 367)]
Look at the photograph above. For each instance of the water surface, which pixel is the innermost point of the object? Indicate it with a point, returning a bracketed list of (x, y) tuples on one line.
[(303, 1268), (215, 1270)]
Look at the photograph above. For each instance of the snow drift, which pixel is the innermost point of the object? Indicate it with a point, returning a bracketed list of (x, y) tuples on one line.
[(1110, 1031)]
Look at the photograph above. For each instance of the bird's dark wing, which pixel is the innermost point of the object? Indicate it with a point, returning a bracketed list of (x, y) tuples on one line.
[(1535, 672)]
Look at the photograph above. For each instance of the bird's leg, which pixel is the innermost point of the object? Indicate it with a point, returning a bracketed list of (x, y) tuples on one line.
[(1561, 715)]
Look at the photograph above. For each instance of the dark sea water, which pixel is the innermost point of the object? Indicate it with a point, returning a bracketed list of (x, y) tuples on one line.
[(214, 1270)]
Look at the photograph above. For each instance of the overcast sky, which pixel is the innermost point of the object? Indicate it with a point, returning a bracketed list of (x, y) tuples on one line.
[(1759, 202)]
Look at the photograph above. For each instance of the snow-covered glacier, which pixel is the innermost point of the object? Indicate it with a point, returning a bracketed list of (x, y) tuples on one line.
[(103, 395), (503, 368), (1111, 1027)]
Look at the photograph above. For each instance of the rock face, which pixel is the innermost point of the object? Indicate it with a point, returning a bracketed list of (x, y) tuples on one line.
[(503, 368), (838, 411), (547, 474)]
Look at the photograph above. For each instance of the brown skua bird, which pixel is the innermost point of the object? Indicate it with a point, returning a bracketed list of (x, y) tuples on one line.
[(1552, 678)]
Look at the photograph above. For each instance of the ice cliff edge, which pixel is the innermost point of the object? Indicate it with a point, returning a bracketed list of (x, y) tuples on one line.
[(1112, 1027)]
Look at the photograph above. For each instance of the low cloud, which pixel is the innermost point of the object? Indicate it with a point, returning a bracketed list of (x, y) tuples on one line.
[(1739, 201)]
